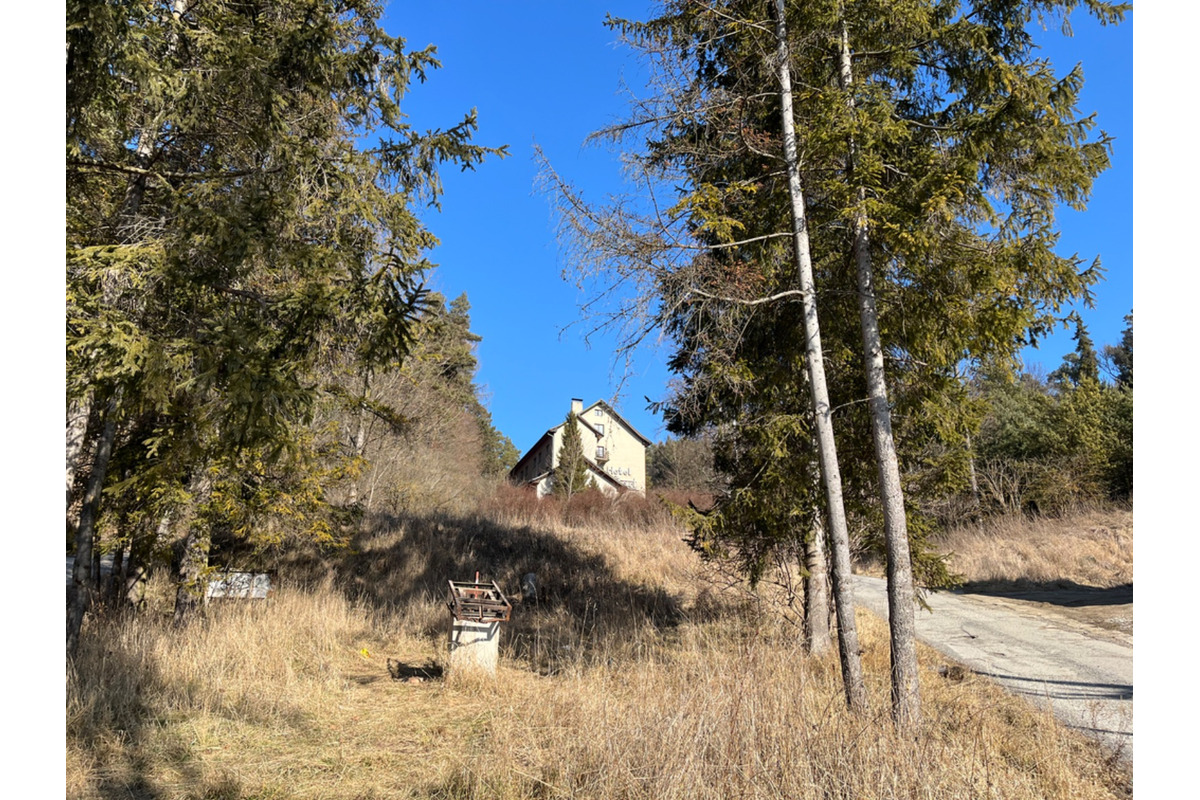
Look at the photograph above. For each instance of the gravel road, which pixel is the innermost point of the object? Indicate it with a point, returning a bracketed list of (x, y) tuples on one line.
[(1084, 675)]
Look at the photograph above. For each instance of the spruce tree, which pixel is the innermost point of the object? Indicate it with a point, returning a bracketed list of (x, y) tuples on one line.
[(570, 474), (1081, 366)]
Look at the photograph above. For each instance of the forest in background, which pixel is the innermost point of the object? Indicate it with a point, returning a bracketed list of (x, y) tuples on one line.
[(1044, 443)]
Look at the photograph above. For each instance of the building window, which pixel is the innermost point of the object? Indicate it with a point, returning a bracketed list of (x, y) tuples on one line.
[(600, 428), (600, 454), (599, 411)]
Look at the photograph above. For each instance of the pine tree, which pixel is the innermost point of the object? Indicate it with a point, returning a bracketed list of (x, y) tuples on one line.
[(570, 474)]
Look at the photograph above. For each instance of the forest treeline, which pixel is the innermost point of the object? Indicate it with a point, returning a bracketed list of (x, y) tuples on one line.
[(1048, 443), (252, 357), (1041, 443)]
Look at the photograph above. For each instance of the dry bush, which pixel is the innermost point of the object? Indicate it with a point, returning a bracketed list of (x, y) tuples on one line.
[(516, 505), (1090, 548), (685, 498), (436, 464), (1054, 486), (519, 505), (626, 678)]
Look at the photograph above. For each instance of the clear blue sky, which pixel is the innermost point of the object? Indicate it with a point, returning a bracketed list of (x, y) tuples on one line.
[(550, 73)]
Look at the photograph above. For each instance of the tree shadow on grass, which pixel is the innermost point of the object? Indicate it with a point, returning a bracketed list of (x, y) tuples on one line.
[(115, 694), (582, 610), (1060, 593)]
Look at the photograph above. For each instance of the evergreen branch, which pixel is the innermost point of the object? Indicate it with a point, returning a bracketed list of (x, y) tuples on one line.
[(86, 165)]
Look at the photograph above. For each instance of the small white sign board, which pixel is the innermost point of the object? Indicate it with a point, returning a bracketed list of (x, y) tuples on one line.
[(243, 585)]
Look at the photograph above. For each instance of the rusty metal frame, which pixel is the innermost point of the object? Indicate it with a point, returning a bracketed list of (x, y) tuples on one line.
[(476, 601)]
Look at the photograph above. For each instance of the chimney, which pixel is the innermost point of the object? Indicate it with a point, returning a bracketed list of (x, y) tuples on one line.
[(577, 406)]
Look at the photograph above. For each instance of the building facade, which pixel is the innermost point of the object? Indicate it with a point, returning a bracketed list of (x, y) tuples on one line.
[(614, 450)]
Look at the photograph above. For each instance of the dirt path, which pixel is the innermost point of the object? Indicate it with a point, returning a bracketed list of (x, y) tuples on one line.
[(1082, 672)]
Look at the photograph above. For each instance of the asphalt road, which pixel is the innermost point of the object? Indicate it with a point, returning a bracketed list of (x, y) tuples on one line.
[(1085, 676)]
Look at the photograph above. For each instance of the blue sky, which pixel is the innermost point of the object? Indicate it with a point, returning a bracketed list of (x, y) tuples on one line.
[(550, 73)]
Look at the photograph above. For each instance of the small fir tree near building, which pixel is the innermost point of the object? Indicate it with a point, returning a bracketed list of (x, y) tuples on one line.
[(570, 475)]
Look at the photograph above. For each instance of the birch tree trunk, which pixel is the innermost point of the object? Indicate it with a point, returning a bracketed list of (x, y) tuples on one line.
[(83, 580), (852, 679), (816, 584), (906, 691)]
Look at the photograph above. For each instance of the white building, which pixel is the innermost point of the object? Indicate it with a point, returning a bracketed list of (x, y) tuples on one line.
[(614, 450)]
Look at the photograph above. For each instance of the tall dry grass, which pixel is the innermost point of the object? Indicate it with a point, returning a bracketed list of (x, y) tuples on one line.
[(1093, 547), (628, 677), (735, 714)]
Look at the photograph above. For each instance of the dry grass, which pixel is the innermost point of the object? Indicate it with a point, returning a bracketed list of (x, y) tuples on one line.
[(625, 680), (1090, 548)]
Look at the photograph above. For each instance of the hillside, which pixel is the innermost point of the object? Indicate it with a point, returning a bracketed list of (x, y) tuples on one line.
[(638, 673)]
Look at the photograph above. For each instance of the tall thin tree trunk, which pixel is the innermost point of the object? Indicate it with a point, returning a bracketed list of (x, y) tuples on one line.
[(141, 553), (856, 696), (906, 690), (977, 505), (113, 587), (816, 591), (193, 561), (77, 422), (360, 433), (82, 578), (133, 587), (817, 614)]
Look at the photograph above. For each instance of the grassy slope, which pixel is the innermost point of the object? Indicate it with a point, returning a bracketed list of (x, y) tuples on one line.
[(1093, 548), (634, 676)]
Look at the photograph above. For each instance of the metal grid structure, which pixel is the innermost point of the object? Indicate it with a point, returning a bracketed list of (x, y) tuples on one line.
[(476, 601)]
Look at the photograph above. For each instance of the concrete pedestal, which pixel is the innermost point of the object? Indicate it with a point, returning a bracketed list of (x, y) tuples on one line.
[(474, 647)]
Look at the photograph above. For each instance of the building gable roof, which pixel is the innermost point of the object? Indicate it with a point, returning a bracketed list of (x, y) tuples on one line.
[(594, 467), (613, 413), (586, 424)]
